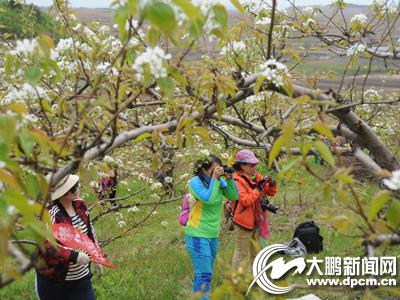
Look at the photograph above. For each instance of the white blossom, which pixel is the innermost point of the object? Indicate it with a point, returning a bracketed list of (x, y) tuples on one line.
[(355, 49), (121, 223), (164, 223), (27, 92), (204, 152), (156, 185), (133, 209), (184, 176), (168, 179), (156, 196), (393, 182), (2, 164), (272, 70), (31, 118), (225, 155), (307, 10), (308, 22), (108, 159), (77, 27), (124, 182), (373, 95), (235, 46), (153, 58), (154, 213), (11, 210), (264, 21), (25, 47), (359, 18), (105, 68), (93, 184)]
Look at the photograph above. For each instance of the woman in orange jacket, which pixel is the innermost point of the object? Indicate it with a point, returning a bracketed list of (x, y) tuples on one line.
[(250, 211)]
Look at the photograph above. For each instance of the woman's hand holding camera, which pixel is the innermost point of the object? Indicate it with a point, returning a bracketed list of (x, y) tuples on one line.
[(218, 172)]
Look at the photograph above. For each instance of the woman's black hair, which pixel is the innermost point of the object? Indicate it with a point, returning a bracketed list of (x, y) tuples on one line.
[(237, 166), (205, 164), (73, 189)]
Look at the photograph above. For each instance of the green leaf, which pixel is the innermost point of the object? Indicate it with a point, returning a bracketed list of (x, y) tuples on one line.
[(131, 56), (153, 36), (276, 149), (162, 16), (341, 222), (166, 85), (27, 142), (39, 233), (342, 196), (46, 43), (345, 178), (203, 132), (192, 11), (238, 6), (7, 129), (325, 192), (288, 86), (33, 75), (3, 151), (28, 210), (290, 164), (121, 16), (143, 136), (32, 186), (324, 130), (189, 133), (220, 15), (377, 203), (258, 84), (325, 153), (393, 213)]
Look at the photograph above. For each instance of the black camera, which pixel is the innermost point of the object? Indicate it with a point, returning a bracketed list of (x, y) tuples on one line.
[(270, 181), (266, 205), (227, 169)]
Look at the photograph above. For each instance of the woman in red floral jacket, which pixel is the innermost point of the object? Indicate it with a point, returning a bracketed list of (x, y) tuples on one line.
[(62, 273)]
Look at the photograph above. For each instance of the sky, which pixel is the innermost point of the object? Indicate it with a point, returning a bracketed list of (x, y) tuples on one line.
[(106, 3)]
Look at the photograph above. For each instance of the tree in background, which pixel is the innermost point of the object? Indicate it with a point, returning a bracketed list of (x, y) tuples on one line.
[(26, 21)]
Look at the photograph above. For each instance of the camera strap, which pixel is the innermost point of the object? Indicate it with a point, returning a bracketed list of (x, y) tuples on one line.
[(252, 185)]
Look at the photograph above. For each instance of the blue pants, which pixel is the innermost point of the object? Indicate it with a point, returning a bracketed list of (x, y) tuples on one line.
[(202, 252)]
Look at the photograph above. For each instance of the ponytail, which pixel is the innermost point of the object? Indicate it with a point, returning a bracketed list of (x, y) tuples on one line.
[(205, 164)]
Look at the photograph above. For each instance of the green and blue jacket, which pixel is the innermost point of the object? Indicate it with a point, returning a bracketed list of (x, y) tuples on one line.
[(205, 216)]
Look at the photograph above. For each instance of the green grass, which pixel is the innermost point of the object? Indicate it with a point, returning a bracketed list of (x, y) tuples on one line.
[(153, 262)]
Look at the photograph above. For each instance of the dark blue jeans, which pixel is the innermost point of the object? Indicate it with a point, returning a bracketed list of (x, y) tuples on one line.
[(80, 289)]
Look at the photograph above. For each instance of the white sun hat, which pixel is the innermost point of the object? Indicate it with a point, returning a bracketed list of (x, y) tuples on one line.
[(63, 186)]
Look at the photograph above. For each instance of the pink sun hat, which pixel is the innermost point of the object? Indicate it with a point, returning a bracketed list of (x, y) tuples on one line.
[(246, 156)]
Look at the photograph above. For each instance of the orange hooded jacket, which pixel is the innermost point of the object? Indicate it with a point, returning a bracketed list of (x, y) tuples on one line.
[(248, 199)]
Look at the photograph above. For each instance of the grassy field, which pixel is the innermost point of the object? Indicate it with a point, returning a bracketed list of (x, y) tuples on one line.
[(153, 262)]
